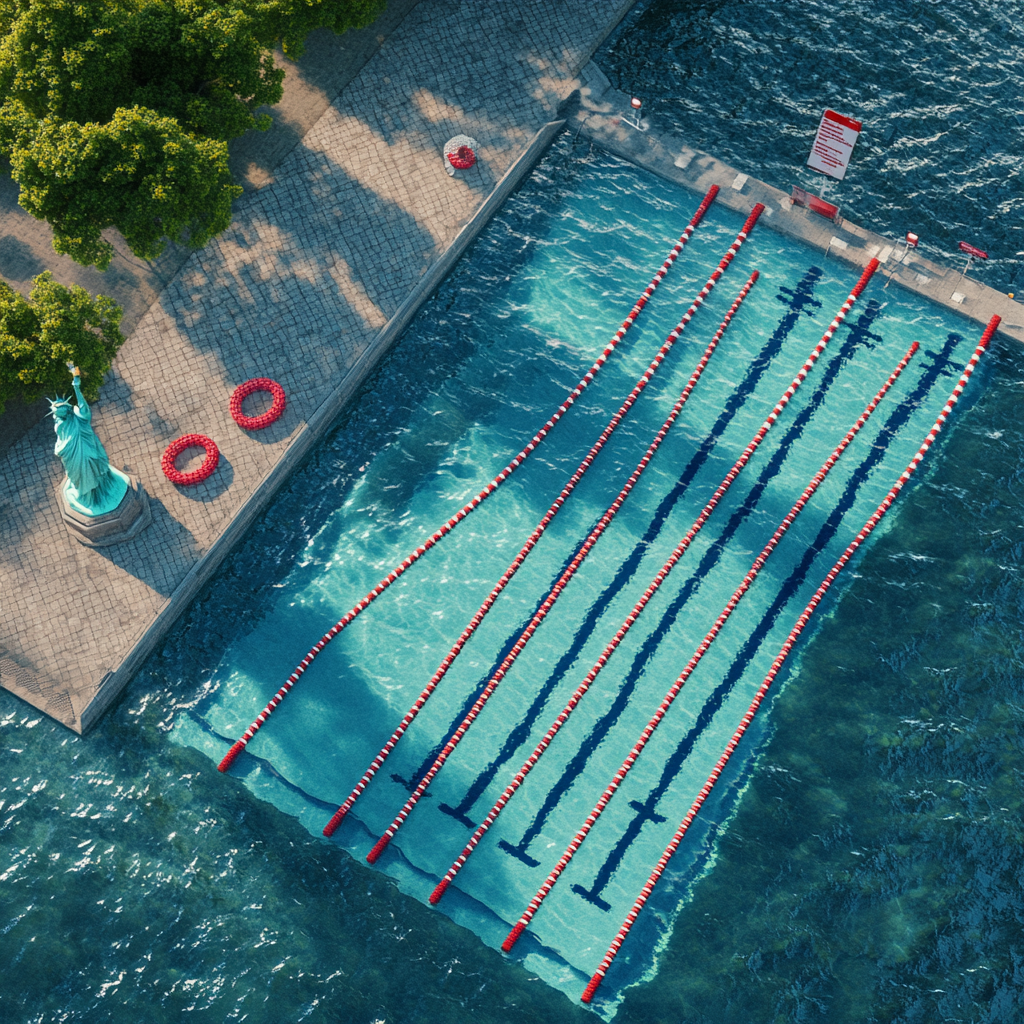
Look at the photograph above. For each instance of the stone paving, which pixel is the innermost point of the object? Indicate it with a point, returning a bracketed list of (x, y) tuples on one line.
[(316, 263), (311, 84)]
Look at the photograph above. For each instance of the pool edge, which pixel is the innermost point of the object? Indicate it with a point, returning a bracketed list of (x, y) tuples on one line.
[(669, 156)]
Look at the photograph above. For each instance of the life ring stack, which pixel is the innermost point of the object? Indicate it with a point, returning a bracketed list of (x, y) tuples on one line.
[(175, 448), (250, 387)]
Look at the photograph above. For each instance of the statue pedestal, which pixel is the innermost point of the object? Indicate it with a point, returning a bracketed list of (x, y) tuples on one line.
[(125, 522)]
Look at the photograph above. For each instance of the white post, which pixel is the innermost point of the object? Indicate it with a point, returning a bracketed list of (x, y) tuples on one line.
[(964, 271), (911, 243), (634, 121)]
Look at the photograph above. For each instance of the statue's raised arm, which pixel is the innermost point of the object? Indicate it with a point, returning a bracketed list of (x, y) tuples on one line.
[(82, 410), (91, 484)]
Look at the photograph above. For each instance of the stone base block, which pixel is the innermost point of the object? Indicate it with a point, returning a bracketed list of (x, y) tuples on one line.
[(125, 522)]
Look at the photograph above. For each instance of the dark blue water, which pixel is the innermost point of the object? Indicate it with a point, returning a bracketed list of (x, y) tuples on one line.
[(872, 872)]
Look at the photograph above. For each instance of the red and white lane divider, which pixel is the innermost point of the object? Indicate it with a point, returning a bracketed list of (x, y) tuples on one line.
[(655, 585), (421, 700), (780, 660), (386, 582), (574, 565), (691, 665)]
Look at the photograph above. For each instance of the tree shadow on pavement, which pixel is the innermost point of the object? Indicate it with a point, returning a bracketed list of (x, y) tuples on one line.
[(312, 83)]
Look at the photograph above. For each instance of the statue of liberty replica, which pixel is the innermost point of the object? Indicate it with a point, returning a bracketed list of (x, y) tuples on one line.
[(100, 505)]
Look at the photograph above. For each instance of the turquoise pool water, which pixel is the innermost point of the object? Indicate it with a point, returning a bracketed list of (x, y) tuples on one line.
[(870, 870)]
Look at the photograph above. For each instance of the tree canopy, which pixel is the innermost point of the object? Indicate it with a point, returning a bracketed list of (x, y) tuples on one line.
[(117, 113), (54, 326)]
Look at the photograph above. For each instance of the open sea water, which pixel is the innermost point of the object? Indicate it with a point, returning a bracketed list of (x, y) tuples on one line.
[(870, 870)]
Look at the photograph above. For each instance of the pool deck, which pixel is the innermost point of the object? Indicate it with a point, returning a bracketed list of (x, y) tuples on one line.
[(321, 271)]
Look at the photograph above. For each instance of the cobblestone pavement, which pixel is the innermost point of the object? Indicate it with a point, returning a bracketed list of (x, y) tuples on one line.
[(316, 262), (328, 64)]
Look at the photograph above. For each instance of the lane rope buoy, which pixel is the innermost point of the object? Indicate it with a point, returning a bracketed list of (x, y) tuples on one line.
[(787, 647), (195, 476), (239, 745), (702, 648), (243, 391), (638, 608), (563, 581)]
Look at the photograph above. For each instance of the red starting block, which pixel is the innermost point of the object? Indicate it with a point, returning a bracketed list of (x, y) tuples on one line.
[(972, 251)]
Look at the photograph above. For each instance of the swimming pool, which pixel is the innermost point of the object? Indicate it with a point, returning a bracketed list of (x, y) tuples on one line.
[(514, 348), (868, 870)]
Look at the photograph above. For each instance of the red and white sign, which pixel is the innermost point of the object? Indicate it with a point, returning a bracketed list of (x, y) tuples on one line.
[(837, 135), (972, 251)]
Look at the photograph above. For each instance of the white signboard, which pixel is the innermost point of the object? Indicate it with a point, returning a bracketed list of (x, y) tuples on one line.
[(837, 135)]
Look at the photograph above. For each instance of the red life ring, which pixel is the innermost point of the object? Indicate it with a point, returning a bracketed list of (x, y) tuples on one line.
[(249, 387), (175, 448), (460, 153), (462, 158)]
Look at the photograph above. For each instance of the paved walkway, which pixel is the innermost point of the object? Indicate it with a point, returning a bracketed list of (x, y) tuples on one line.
[(311, 84), (316, 263)]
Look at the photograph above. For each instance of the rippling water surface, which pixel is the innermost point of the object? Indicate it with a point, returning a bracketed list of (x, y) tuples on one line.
[(873, 869)]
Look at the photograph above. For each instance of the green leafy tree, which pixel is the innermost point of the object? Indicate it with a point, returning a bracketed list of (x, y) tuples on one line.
[(289, 21), (54, 326), (117, 113)]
